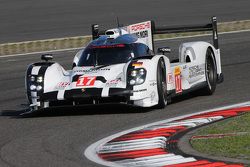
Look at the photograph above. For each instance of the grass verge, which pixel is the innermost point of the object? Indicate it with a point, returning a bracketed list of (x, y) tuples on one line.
[(236, 146), (76, 42)]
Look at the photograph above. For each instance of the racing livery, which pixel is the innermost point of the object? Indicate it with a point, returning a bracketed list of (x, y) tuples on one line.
[(121, 66)]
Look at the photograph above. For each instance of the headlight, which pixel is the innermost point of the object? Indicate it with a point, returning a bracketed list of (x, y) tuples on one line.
[(133, 73), (139, 81), (32, 78), (142, 71), (32, 87), (132, 82), (39, 79), (38, 88), (137, 76)]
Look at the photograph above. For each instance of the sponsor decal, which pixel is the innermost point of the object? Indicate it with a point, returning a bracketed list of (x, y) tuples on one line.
[(153, 83), (86, 81), (108, 46), (177, 70), (170, 78), (137, 64), (141, 34), (63, 84), (140, 26), (195, 71), (113, 82), (152, 96), (93, 70), (177, 73)]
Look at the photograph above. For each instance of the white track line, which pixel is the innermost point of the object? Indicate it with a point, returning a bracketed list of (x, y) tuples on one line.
[(157, 161), (203, 35), (163, 39), (91, 151), (42, 52)]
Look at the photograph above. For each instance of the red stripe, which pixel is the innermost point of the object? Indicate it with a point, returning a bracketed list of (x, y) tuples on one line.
[(149, 134), (214, 164), (159, 130), (240, 109), (225, 113), (140, 137), (177, 127), (146, 134), (132, 154), (189, 164), (164, 130)]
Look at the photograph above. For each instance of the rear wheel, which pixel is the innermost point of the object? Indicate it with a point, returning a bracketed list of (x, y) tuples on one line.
[(210, 73), (161, 84)]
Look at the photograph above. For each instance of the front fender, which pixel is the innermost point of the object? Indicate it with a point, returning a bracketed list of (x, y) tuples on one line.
[(54, 77)]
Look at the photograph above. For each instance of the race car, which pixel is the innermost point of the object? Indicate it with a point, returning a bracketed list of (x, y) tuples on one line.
[(121, 65)]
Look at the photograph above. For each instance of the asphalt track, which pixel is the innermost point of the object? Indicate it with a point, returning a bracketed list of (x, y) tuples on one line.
[(59, 137), (29, 20)]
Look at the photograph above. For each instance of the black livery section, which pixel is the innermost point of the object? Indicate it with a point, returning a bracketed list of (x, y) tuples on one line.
[(88, 96), (41, 73)]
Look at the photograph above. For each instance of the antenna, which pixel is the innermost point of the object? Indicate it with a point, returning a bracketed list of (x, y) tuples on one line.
[(118, 23)]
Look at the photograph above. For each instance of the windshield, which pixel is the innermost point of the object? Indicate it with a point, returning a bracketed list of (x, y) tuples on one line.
[(106, 55)]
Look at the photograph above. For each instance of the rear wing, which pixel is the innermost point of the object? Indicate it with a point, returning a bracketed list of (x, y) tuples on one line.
[(146, 30), (193, 28)]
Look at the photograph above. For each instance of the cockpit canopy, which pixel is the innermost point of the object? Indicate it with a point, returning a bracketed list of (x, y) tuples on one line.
[(95, 55)]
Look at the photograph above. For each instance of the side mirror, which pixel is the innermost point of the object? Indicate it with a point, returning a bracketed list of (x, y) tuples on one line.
[(164, 50), (47, 57)]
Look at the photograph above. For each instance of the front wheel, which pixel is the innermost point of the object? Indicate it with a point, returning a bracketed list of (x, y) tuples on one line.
[(161, 84), (210, 73)]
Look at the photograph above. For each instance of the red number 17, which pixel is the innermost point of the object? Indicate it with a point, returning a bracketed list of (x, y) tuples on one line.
[(86, 81)]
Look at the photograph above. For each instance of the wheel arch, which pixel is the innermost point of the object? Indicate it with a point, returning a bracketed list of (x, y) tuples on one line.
[(196, 51)]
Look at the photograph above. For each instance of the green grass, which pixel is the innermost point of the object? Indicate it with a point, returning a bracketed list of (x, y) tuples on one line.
[(75, 42), (234, 146)]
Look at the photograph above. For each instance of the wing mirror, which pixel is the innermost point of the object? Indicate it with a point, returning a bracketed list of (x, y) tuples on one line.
[(47, 57), (164, 50)]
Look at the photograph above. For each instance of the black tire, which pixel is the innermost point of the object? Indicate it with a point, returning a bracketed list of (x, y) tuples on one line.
[(210, 73), (161, 84)]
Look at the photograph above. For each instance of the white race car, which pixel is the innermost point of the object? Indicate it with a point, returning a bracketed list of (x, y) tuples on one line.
[(121, 66)]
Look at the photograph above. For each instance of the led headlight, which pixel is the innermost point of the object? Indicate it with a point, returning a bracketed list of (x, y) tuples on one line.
[(38, 88), (32, 87), (32, 78), (39, 79), (133, 73), (137, 76), (132, 82), (139, 81), (141, 71)]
